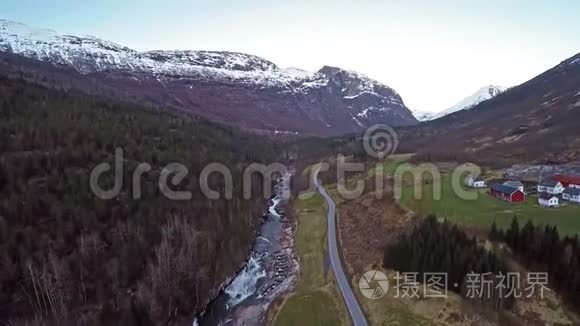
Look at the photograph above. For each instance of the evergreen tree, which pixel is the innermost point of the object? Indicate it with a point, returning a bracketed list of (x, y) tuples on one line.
[(543, 249)]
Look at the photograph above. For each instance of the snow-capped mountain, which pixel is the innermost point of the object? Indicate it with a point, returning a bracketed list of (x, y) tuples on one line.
[(483, 94), (88, 54), (225, 86)]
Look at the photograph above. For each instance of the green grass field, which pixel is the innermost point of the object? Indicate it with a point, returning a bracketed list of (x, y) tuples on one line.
[(316, 300), (486, 209)]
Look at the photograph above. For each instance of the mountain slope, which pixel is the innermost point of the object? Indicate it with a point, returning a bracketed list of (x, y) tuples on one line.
[(534, 122), (225, 86), (123, 261), (482, 94)]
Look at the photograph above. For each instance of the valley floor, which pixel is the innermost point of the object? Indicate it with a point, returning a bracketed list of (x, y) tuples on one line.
[(316, 299), (367, 225)]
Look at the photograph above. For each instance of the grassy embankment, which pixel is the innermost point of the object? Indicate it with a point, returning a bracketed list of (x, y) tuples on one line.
[(316, 299), (389, 310)]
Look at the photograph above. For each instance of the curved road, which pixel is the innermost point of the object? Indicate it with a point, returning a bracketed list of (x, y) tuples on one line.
[(354, 309)]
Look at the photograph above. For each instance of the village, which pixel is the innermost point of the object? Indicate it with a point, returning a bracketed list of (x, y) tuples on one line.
[(552, 191)]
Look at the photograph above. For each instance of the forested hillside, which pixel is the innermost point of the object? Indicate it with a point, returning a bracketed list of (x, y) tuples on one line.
[(68, 257), (435, 247), (542, 248)]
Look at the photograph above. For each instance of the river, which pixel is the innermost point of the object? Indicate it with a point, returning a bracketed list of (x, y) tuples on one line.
[(270, 271)]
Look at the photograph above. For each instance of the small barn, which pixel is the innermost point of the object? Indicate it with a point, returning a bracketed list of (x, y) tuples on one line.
[(567, 181), (509, 194), (548, 200), (571, 195), (550, 186), (515, 184)]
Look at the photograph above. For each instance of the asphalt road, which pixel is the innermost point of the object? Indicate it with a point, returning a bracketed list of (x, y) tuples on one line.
[(354, 309)]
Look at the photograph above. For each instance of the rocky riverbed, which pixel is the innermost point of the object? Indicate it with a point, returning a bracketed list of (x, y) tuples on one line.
[(270, 271)]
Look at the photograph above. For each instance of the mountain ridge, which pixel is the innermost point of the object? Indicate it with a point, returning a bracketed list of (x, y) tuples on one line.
[(330, 101)]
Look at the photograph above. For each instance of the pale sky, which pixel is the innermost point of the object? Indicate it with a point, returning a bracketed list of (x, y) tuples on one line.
[(433, 53)]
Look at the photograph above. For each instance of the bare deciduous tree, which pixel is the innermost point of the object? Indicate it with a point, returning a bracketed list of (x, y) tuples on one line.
[(175, 262), (50, 286)]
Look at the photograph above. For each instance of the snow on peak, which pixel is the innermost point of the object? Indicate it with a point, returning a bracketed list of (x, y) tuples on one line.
[(422, 115), (214, 59), (483, 94), (13, 29), (89, 54), (297, 71)]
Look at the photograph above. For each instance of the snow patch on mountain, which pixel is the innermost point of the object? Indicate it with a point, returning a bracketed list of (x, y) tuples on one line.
[(483, 94), (371, 109), (422, 115), (363, 92), (211, 59)]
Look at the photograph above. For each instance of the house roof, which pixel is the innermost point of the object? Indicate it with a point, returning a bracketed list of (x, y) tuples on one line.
[(572, 191), (547, 196), (566, 179), (503, 189), (548, 183), (475, 178), (513, 184)]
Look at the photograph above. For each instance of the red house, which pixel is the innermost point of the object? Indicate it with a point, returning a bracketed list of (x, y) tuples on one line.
[(567, 180), (506, 193)]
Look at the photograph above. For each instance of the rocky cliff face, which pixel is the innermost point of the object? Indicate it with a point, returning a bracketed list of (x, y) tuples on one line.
[(367, 100), (230, 87)]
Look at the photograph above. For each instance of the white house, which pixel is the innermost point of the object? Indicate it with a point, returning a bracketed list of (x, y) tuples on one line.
[(551, 187), (515, 184), (548, 200), (475, 182), (571, 194)]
